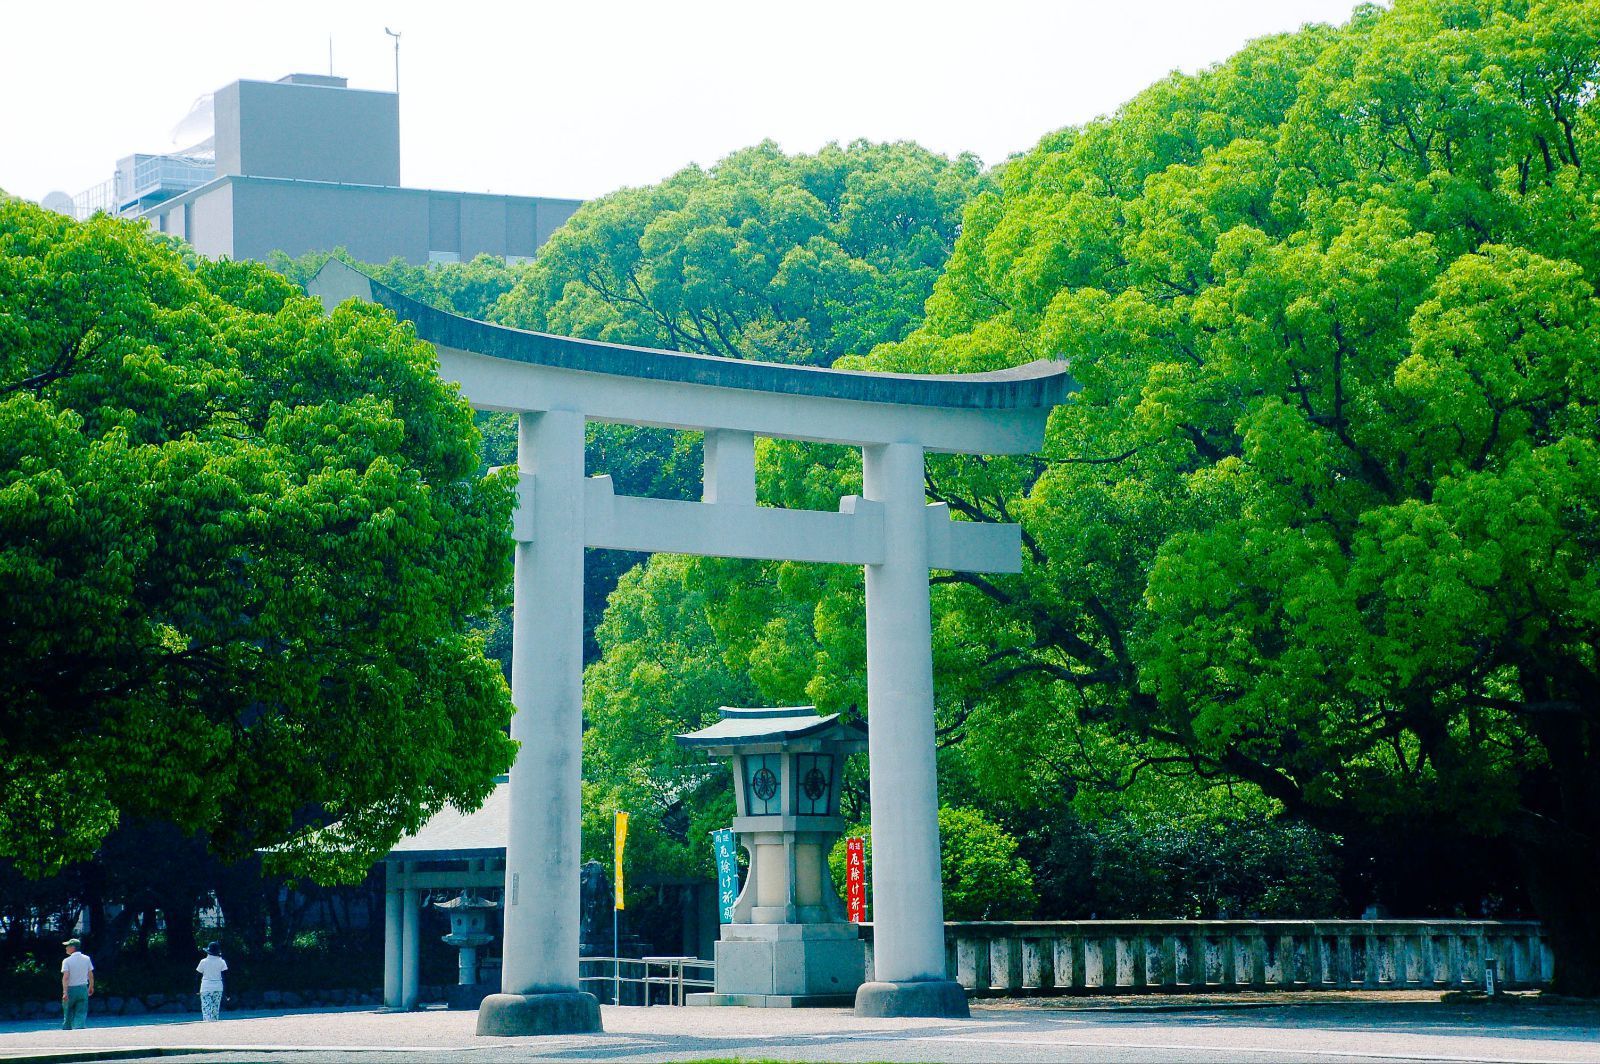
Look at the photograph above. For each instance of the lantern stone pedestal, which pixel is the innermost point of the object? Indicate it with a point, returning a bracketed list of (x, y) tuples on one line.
[(786, 966), (788, 944)]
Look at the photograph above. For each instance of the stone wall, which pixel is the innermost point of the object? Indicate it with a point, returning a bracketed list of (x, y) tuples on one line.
[(1001, 958)]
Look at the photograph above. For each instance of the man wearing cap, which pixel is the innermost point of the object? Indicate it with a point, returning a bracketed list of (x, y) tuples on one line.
[(77, 986)]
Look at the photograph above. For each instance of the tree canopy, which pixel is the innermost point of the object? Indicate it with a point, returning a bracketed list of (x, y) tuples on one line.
[(241, 543), (785, 258), (1323, 517), (1321, 523), (470, 288)]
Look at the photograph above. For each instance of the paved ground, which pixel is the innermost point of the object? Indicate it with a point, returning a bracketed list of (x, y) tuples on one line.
[(1361, 1032)]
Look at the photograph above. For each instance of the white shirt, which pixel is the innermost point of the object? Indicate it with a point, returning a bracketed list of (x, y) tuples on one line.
[(77, 967), (211, 969)]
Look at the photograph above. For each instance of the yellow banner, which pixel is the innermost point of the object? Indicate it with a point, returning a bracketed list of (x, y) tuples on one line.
[(622, 841)]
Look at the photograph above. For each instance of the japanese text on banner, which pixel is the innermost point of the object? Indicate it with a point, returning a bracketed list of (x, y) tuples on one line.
[(856, 879), (727, 872)]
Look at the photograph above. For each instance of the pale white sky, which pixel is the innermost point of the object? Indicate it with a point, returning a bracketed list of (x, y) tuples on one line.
[(584, 96)]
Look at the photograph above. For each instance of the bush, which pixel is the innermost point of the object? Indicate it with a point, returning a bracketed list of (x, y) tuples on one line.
[(1131, 868), (984, 876)]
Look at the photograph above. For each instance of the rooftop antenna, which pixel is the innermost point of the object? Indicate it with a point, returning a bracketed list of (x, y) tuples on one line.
[(330, 55), (396, 37)]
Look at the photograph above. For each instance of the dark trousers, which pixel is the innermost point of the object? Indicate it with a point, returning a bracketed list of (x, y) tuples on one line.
[(75, 1009)]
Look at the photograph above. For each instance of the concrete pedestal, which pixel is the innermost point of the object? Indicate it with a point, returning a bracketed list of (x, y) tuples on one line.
[(562, 1012), (930, 997), (787, 966)]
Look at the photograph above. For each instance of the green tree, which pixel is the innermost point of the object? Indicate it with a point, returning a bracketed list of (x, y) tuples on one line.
[(983, 875), (791, 258), (1323, 516), (240, 546), (1320, 524), (783, 258), (470, 288)]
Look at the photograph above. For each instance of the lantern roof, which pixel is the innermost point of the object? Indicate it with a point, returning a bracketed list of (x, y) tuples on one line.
[(466, 900), (741, 727)]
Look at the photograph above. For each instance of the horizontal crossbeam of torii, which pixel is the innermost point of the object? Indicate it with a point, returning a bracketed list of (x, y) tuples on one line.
[(556, 384)]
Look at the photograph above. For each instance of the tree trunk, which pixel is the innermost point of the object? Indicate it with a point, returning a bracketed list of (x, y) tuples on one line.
[(179, 910), (1562, 881), (1558, 833), (241, 891)]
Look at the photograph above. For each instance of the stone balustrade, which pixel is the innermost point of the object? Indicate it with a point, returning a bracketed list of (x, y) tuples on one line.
[(1015, 958)]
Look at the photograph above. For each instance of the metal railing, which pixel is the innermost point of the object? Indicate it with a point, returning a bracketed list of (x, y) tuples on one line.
[(99, 198), (168, 174), (645, 980)]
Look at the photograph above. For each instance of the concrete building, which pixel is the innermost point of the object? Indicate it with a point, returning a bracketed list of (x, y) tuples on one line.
[(307, 163)]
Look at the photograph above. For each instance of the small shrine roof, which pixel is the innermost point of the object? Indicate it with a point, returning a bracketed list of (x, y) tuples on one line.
[(451, 834)]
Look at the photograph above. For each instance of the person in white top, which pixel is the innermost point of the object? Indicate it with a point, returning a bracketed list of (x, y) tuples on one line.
[(77, 986), (211, 967)]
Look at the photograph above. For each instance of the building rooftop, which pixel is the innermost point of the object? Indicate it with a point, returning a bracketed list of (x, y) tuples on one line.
[(453, 835)]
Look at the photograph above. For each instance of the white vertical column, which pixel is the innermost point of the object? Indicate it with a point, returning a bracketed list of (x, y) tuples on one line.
[(410, 947), (908, 916), (730, 467), (541, 904), (392, 933)]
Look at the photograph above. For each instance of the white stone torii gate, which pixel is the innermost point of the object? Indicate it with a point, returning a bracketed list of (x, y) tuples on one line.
[(556, 384)]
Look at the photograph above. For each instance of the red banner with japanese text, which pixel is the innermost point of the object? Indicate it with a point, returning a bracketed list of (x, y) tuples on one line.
[(855, 863)]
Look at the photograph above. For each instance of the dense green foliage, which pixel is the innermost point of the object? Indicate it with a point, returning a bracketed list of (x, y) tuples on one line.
[(468, 288), (785, 258), (1184, 868), (800, 258), (1324, 514), (240, 546), (983, 875), (1322, 520)]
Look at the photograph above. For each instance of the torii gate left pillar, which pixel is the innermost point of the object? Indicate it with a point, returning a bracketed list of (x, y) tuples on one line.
[(555, 384)]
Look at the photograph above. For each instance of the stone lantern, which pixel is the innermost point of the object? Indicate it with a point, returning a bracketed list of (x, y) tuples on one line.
[(469, 930), (789, 943)]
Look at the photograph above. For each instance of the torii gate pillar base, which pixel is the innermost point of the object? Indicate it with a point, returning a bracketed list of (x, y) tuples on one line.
[(942, 998), (562, 1012)]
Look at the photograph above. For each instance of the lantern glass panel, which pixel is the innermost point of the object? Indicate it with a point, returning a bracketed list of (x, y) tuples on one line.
[(762, 793), (814, 784)]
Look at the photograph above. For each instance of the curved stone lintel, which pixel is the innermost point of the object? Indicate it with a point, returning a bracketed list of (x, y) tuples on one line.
[(1035, 386)]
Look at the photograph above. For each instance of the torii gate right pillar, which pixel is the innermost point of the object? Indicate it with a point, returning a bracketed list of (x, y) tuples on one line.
[(908, 915)]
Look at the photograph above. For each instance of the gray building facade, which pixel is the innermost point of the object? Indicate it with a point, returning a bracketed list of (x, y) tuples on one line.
[(307, 163)]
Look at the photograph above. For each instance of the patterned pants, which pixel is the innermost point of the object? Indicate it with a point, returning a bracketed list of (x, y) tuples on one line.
[(210, 1004)]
